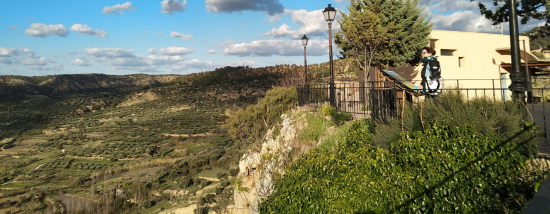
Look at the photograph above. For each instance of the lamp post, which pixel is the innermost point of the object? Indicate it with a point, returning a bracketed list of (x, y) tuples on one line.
[(304, 42), (330, 14), (518, 86)]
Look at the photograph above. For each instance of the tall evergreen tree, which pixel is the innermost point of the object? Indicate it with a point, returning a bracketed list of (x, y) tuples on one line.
[(382, 33)]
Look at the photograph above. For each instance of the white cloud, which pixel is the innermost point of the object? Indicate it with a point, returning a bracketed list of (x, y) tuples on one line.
[(311, 23), (85, 30), (152, 51), (41, 30), (109, 52), (80, 62), (277, 47), (117, 8), (171, 51), (271, 7), (13, 27), (180, 35), (7, 52), (145, 31), (159, 33), (170, 6), (211, 51), (163, 60), (34, 61), (472, 21)]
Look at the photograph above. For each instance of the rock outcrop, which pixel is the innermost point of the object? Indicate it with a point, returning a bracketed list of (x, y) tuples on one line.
[(258, 169)]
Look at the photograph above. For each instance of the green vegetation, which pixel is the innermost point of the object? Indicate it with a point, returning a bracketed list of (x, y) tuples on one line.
[(469, 159), (253, 122)]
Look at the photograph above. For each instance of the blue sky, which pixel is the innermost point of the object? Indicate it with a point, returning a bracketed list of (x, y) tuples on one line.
[(180, 37)]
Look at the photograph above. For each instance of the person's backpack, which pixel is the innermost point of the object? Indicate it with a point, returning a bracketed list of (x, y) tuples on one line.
[(432, 83)]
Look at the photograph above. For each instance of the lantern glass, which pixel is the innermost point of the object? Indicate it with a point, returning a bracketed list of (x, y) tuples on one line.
[(304, 40)]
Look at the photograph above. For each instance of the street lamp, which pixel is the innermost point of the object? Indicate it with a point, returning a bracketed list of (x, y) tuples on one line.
[(518, 86), (330, 14), (304, 42)]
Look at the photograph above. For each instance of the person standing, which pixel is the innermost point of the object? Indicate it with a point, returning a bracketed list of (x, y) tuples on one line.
[(430, 74)]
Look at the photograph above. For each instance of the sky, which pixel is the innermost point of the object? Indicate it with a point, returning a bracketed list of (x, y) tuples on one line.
[(52, 37)]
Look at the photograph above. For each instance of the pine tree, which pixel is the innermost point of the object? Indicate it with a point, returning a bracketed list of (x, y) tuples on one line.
[(382, 33)]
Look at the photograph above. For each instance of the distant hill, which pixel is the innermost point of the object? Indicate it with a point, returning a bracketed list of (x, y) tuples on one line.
[(539, 37), (16, 87)]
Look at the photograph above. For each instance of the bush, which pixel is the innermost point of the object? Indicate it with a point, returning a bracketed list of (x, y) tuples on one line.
[(253, 121), (233, 172), (337, 118), (22, 199), (147, 204), (447, 169), (204, 183)]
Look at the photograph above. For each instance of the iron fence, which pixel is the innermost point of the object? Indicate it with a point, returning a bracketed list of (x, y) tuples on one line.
[(381, 100)]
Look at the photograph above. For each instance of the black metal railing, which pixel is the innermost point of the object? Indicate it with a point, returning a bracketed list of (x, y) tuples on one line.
[(381, 100)]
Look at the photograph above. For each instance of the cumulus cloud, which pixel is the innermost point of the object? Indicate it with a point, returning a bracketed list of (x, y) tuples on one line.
[(80, 62), (85, 30), (42, 30), (26, 57), (159, 33), (170, 6), (180, 35), (311, 23), (7, 52), (121, 59), (277, 47), (249, 63), (109, 52), (171, 51), (13, 27), (34, 61), (211, 51), (152, 51), (271, 7), (472, 21), (163, 60), (117, 8)]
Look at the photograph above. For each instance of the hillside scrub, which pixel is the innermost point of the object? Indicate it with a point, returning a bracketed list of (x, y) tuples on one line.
[(252, 122), (503, 119), (445, 169)]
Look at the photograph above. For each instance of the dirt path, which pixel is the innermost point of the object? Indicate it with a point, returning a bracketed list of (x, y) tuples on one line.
[(190, 135)]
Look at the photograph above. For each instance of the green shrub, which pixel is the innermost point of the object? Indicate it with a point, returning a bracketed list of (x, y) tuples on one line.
[(505, 119), (338, 118), (317, 125), (447, 169), (253, 121)]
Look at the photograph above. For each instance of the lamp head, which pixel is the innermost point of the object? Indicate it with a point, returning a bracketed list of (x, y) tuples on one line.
[(304, 40), (329, 13)]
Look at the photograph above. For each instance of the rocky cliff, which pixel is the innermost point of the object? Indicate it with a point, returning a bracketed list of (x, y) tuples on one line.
[(258, 169)]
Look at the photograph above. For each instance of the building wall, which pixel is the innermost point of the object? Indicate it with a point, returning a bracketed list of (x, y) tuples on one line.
[(480, 62)]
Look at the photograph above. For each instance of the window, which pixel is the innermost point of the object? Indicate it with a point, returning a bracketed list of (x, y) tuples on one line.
[(461, 62), (432, 43), (447, 52)]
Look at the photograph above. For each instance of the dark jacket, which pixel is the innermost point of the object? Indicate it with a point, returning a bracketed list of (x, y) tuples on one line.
[(434, 70)]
